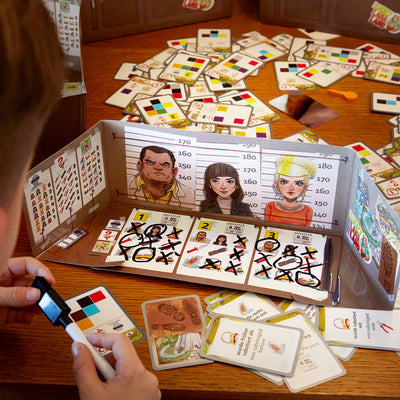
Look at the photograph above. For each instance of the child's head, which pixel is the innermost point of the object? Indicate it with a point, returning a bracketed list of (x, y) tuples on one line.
[(32, 73)]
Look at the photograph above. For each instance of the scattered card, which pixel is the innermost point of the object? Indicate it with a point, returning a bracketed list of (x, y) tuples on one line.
[(234, 68), (374, 329), (316, 363), (220, 114), (175, 329), (129, 90), (162, 111), (251, 344), (387, 103)]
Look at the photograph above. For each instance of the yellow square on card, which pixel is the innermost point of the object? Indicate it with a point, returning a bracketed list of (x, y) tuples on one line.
[(364, 153), (84, 324), (141, 216), (313, 71), (261, 130), (222, 108), (167, 105), (205, 225), (215, 81), (271, 234)]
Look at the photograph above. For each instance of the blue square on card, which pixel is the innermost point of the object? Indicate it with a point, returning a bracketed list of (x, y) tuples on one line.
[(91, 310)]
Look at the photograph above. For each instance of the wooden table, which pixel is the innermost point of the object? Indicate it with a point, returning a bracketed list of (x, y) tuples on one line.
[(35, 360)]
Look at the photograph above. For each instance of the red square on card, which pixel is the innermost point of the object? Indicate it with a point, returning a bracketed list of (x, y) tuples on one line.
[(238, 121), (253, 63), (358, 147), (97, 296)]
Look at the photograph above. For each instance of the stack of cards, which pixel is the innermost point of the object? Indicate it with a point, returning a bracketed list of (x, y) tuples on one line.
[(278, 341)]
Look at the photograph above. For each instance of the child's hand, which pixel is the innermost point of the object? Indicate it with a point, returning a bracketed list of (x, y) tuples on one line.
[(17, 298), (131, 381)]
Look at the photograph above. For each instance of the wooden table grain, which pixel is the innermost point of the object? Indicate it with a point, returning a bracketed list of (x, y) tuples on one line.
[(35, 359)]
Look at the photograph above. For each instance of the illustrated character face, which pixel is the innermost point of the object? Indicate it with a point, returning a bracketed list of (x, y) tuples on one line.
[(201, 235), (268, 246), (157, 167), (223, 186), (291, 187)]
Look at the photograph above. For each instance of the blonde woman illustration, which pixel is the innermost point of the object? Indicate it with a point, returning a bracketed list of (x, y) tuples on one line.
[(292, 176)]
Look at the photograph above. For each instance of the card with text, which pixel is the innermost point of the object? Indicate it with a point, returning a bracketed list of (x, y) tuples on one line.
[(251, 344)]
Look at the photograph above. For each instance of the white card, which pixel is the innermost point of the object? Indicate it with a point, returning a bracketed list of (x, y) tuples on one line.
[(388, 103), (234, 68), (247, 305), (261, 113), (129, 90), (325, 74), (316, 363), (251, 344), (220, 114), (374, 329), (287, 78)]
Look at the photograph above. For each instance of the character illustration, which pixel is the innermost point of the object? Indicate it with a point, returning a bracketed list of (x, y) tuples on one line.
[(223, 193), (156, 180), (292, 178)]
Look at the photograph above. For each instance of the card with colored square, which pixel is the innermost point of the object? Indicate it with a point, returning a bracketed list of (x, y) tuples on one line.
[(218, 40), (220, 114), (185, 67), (287, 78), (261, 113), (298, 43), (263, 131), (216, 85), (97, 310), (180, 44), (316, 363), (175, 328), (374, 329), (335, 55), (387, 71), (376, 166), (162, 111), (131, 108), (234, 68), (264, 52), (130, 89), (249, 38), (387, 103), (251, 344), (175, 89), (325, 74)]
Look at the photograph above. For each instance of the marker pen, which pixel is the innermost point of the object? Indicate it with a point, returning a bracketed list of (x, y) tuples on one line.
[(57, 311)]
